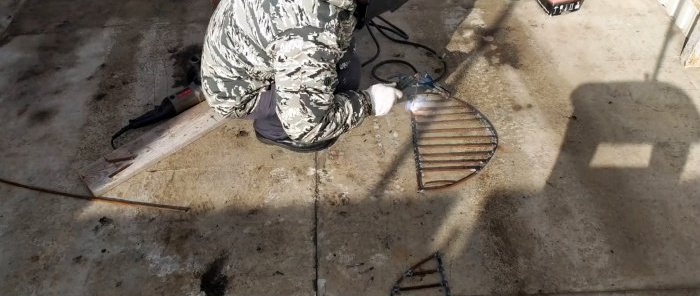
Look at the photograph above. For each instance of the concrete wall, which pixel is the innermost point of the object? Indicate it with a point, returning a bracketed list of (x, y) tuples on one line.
[(685, 13)]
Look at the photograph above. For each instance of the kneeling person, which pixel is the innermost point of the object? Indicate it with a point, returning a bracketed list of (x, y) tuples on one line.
[(291, 67)]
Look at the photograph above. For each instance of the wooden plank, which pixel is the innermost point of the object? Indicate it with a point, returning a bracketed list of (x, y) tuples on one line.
[(153, 146)]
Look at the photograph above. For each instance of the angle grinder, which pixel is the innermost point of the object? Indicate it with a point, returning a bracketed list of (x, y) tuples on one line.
[(418, 88), (171, 105)]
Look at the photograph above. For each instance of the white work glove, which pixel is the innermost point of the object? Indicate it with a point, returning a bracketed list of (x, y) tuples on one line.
[(383, 97)]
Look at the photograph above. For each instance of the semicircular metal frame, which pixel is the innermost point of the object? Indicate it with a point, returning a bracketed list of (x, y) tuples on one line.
[(453, 141)]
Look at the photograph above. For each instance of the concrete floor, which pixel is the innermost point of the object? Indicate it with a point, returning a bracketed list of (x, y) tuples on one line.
[(595, 188)]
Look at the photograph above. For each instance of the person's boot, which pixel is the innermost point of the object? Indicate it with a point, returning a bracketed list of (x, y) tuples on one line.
[(295, 146)]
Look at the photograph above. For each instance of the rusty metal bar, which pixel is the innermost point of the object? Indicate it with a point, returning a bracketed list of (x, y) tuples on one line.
[(451, 168), (446, 114), (450, 120), (112, 200), (456, 137), (422, 262), (416, 152), (456, 145), (445, 186), (463, 153), (423, 272), (447, 130), (426, 108), (479, 161), (420, 287), (449, 182)]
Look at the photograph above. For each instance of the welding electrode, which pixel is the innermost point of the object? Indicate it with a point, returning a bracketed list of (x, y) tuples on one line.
[(171, 105)]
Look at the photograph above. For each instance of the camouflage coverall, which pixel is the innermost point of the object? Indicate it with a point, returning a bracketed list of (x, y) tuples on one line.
[(293, 44)]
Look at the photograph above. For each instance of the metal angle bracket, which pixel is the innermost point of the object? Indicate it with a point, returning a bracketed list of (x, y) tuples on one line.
[(432, 268)]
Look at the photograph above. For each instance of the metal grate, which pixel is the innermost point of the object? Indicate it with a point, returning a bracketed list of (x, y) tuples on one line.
[(452, 140)]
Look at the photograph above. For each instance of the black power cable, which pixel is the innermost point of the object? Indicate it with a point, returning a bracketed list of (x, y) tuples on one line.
[(401, 38)]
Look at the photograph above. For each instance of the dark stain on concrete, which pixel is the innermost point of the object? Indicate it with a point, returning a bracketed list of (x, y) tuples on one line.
[(213, 281), (104, 222), (78, 259), (500, 49), (503, 53), (29, 73), (338, 199), (22, 110), (242, 133), (505, 239), (99, 96), (63, 24), (5, 39), (178, 239), (42, 116), (108, 101)]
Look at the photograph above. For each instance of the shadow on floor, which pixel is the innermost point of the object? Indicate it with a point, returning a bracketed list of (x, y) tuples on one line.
[(597, 226), (593, 228), (616, 214)]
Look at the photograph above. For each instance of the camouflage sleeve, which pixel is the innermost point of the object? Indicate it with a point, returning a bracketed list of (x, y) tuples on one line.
[(226, 60), (305, 79)]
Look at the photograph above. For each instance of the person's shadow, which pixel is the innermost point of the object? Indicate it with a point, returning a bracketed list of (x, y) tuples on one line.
[(626, 152), (619, 210)]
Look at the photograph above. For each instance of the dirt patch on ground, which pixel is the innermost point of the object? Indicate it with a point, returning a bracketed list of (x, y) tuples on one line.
[(213, 281)]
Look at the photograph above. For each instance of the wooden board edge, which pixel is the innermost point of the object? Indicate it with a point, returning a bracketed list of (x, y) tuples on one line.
[(153, 146)]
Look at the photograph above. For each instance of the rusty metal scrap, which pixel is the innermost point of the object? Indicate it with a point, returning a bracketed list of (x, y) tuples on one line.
[(430, 270)]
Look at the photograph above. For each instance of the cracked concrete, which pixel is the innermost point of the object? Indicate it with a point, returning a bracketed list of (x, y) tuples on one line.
[(594, 188)]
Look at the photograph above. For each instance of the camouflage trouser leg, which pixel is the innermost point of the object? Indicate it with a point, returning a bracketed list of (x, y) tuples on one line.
[(267, 124)]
